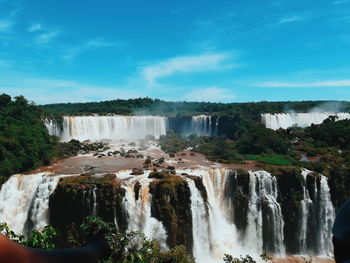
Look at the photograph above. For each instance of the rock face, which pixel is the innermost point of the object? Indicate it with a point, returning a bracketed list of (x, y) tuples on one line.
[(85, 195), (284, 211), (237, 196), (172, 206)]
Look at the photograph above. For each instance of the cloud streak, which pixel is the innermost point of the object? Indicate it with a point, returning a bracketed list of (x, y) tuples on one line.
[(47, 37), (329, 83), (89, 45), (35, 27), (6, 25), (211, 94), (185, 64), (47, 90)]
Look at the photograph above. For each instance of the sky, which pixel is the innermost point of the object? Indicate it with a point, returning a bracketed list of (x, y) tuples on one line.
[(194, 50)]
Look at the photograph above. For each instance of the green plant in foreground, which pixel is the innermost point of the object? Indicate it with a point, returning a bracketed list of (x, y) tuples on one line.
[(38, 239)]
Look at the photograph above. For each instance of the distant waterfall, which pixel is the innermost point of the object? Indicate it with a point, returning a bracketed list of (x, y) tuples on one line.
[(24, 201), (139, 209), (203, 125), (286, 120), (96, 128)]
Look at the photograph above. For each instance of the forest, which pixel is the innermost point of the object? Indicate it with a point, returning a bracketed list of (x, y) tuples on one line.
[(25, 143), (144, 106)]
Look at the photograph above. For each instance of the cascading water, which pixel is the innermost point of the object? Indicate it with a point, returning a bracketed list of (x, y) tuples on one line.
[(96, 128), (202, 125), (201, 235), (216, 227), (24, 201), (94, 205), (286, 120), (305, 208), (317, 216), (24, 206), (139, 209), (265, 220)]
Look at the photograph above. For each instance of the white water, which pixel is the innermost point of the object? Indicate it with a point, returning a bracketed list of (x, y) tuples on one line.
[(94, 205), (314, 214), (216, 227), (97, 128), (139, 211), (305, 207), (326, 217), (201, 125), (24, 199), (263, 193), (286, 120), (200, 227), (24, 206)]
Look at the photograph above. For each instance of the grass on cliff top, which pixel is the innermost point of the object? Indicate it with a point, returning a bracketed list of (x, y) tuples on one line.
[(89, 179), (275, 159)]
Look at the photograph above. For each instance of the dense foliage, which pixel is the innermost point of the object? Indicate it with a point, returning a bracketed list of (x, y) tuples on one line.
[(24, 141), (129, 247), (159, 107), (37, 239)]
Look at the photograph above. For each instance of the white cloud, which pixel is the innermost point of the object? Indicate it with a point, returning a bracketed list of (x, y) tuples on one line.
[(290, 19), (35, 27), (330, 83), (46, 38), (340, 2), (91, 44), (46, 90), (212, 94), (6, 25), (5, 63), (100, 42), (184, 64)]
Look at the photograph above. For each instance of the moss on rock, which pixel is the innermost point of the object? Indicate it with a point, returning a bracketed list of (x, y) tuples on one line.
[(171, 204), (73, 200)]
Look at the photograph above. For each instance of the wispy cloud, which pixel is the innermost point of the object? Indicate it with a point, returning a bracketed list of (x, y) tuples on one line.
[(47, 37), (5, 63), (330, 83), (89, 45), (290, 19), (47, 90), (211, 94), (35, 27), (338, 2), (185, 64), (6, 25)]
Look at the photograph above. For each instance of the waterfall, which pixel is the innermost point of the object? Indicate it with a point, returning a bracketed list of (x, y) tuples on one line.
[(217, 126), (53, 127), (200, 227), (139, 209), (305, 209), (286, 120), (326, 217), (202, 125), (317, 217), (24, 206), (265, 220), (94, 205), (24, 201), (216, 227), (97, 128)]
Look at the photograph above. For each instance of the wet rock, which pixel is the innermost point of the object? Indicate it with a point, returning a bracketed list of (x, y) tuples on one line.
[(137, 171)]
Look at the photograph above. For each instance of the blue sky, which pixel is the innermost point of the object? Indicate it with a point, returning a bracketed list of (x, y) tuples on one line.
[(194, 50)]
